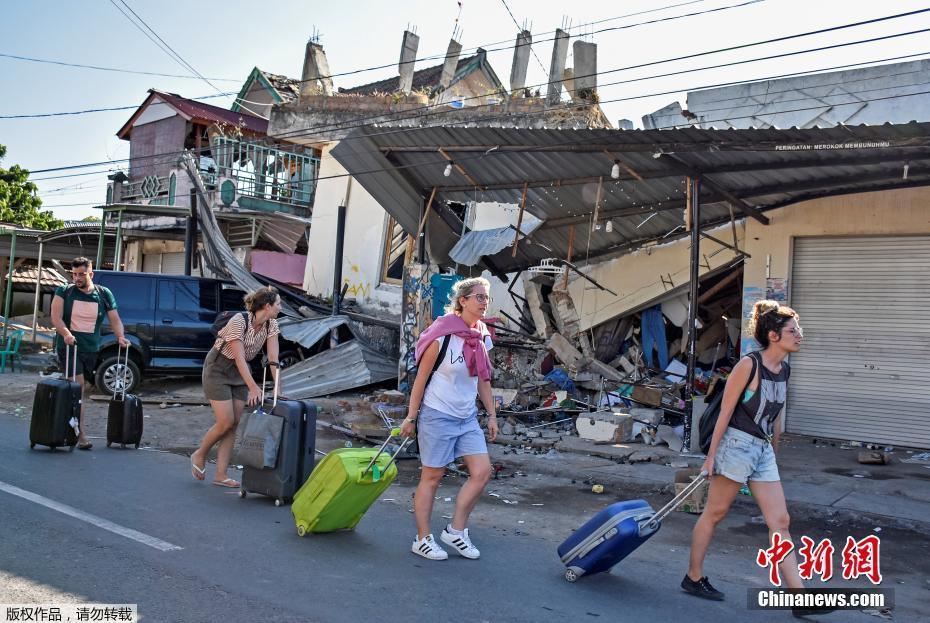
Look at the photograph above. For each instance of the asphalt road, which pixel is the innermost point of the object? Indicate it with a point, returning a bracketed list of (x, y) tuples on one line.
[(206, 555)]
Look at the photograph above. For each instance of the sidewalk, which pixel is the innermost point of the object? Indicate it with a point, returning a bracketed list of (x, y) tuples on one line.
[(820, 478)]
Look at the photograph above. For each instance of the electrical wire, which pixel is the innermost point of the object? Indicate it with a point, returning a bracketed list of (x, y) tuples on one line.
[(112, 69), (173, 155), (519, 30), (381, 118)]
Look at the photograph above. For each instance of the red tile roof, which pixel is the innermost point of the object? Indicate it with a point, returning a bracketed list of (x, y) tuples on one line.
[(201, 112)]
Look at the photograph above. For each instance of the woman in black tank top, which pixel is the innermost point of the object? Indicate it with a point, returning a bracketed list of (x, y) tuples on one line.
[(744, 443)]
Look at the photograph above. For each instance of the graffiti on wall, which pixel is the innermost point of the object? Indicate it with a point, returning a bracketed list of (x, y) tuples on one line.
[(415, 312), (357, 288)]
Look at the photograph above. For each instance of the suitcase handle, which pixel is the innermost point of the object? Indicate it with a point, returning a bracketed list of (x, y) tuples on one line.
[(653, 522), (119, 349), (394, 433), (73, 364), (277, 380)]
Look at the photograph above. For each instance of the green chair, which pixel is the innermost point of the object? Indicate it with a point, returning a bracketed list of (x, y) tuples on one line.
[(11, 351)]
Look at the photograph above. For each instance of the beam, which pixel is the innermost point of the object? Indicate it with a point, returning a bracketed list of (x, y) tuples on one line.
[(784, 145), (694, 195), (717, 287), (516, 236), (727, 245), (669, 172), (459, 168), (747, 209)]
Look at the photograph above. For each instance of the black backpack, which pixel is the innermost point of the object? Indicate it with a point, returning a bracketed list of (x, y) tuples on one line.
[(442, 354), (223, 318), (712, 410)]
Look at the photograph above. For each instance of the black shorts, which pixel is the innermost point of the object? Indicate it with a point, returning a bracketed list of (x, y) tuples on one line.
[(86, 363)]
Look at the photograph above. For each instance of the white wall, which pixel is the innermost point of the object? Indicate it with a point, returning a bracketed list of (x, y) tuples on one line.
[(492, 215), (823, 100), (366, 222)]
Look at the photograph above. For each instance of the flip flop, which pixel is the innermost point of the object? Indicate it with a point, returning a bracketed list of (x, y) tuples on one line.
[(229, 483), (197, 472)]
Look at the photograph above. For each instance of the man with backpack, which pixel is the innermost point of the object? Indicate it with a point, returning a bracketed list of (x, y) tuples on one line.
[(77, 313)]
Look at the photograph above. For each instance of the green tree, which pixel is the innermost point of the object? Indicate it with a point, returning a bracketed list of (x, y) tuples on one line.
[(19, 203)]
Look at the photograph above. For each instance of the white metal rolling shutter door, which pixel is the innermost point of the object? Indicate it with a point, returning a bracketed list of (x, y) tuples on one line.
[(172, 263), (862, 371)]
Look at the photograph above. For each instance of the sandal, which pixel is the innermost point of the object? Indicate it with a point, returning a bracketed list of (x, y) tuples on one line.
[(229, 483), (198, 472), (85, 445)]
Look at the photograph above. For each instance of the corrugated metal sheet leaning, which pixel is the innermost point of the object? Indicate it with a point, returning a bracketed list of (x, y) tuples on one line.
[(347, 366)]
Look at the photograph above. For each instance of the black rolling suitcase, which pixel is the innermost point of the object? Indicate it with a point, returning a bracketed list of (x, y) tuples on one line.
[(56, 409), (124, 417), (296, 455)]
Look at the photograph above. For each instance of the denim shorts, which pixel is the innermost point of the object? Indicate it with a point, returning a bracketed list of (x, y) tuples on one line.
[(443, 437), (742, 457)]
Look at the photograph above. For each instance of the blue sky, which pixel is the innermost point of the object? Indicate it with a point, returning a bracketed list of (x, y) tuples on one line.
[(226, 39)]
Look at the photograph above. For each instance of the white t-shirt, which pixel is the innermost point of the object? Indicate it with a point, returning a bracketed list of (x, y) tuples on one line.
[(452, 389)]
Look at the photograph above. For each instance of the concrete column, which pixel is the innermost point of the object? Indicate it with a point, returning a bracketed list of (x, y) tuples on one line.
[(557, 67), (315, 78), (569, 76), (451, 64), (585, 55), (521, 59), (408, 55)]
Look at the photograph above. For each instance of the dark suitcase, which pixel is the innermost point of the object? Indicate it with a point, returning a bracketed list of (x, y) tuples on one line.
[(56, 409), (296, 453), (124, 416), (614, 533)]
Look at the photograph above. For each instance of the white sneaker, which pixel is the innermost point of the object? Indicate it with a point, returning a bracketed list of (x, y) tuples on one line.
[(428, 548), (462, 544)]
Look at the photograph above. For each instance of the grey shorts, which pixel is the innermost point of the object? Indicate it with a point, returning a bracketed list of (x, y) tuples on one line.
[(221, 378), (742, 457), (443, 438)]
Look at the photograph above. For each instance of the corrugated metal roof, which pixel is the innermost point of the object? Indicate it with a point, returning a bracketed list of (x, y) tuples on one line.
[(475, 244), (308, 331), (764, 168), (351, 364)]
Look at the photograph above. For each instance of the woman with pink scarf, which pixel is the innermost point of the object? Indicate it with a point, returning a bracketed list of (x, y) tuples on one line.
[(453, 369)]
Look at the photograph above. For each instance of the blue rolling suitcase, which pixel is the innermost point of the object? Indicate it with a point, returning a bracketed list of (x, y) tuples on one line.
[(614, 533)]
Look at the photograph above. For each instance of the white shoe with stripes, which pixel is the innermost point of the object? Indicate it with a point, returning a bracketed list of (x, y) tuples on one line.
[(462, 544), (428, 548)]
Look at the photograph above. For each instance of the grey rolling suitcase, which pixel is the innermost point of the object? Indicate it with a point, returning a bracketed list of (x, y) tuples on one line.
[(295, 452)]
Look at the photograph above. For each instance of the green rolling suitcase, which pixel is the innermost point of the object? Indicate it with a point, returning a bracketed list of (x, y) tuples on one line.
[(343, 486)]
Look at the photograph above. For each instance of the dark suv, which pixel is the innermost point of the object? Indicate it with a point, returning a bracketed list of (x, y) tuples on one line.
[(168, 319)]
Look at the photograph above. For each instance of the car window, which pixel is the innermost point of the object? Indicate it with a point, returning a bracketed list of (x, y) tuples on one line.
[(130, 292), (187, 296), (232, 299)]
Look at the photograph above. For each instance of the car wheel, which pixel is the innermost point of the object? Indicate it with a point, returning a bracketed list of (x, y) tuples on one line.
[(109, 376)]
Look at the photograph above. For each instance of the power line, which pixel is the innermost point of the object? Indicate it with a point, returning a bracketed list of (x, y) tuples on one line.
[(569, 144), (355, 124), (515, 23), (113, 69), (113, 108), (174, 154)]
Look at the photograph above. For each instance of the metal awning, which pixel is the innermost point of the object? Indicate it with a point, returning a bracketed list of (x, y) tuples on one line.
[(565, 176)]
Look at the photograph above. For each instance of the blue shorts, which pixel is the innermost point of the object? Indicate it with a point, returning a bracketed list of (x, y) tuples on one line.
[(443, 437), (742, 457)]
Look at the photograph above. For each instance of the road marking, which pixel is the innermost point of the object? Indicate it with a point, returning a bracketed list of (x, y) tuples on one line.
[(129, 533)]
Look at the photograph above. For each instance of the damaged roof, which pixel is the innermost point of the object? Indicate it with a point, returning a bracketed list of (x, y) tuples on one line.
[(428, 79), (567, 172), (192, 110)]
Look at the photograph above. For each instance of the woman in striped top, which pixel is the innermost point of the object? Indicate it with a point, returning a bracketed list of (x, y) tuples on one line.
[(227, 379)]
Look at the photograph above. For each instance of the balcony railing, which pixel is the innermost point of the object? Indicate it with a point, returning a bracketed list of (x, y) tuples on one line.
[(266, 172)]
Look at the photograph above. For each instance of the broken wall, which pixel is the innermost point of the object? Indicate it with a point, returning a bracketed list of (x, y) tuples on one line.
[(641, 277), (366, 224)]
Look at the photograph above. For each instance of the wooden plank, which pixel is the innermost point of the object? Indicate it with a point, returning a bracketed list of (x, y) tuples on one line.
[(459, 168), (571, 248), (597, 202), (429, 205)]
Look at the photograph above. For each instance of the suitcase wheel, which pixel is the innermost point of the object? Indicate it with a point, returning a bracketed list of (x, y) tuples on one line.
[(301, 531), (278, 502), (109, 443), (137, 446), (51, 448), (123, 446), (242, 493), (70, 448), (571, 576), (32, 446)]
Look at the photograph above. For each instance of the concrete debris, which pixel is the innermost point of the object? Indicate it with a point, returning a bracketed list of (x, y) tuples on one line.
[(873, 457)]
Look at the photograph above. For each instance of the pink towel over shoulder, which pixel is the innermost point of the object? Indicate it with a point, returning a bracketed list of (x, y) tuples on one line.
[(475, 352)]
